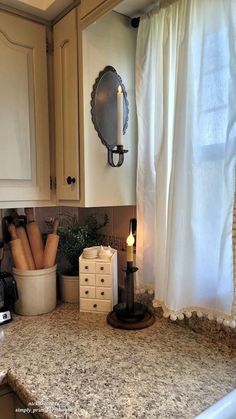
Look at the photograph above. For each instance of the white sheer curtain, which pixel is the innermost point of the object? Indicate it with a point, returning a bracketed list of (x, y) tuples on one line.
[(186, 104)]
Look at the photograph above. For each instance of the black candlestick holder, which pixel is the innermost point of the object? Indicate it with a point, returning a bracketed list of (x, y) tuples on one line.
[(121, 154), (130, 314)]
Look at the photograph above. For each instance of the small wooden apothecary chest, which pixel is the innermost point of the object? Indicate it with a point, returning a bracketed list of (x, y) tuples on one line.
[(98, 283)]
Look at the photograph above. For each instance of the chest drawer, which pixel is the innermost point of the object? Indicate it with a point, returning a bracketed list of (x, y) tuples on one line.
[(104, 293), (103, 280), (87, 279), (103, 268), (87, 292), (87, 266), (95, 305)]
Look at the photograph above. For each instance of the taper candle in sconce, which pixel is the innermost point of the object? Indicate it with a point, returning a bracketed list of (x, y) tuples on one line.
[(119, 134), (110, 109)]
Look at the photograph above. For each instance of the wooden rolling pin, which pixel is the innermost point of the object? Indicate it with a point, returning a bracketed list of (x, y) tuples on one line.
[(1, 252), (21, 234), (35, 238), (50, 251), (17, 249)]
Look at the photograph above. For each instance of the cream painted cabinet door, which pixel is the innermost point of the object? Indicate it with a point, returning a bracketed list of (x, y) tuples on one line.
[(24, 133), (66, 107)]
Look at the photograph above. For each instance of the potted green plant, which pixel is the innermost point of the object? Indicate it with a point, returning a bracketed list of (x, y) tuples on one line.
[(74, 237)]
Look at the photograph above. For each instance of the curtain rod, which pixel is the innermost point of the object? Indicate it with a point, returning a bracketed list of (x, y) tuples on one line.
[(155, 5), (151, 9)]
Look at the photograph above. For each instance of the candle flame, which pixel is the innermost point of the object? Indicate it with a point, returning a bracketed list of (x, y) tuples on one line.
[(130, 240), (119, 89)]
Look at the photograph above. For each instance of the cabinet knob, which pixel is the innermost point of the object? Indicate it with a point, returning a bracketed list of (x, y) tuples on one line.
[(102, 268), (102, 293), (86, 267), (102, 280), (86, 279), (86, 292), (70, 180), (95, 305)]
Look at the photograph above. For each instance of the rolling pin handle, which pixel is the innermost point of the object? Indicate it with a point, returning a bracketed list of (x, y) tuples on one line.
[(55, 226), (29, 214), (12, 231)]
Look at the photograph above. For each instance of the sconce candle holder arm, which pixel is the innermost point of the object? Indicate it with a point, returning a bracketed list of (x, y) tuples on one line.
[(119, 150)]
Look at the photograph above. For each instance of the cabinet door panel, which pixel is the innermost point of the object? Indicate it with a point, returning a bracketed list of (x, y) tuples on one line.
[(7, 406), (66, 106), (24, 139), (15, 88)]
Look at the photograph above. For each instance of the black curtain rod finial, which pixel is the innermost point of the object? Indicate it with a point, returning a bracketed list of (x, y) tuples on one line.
[(135, 22)]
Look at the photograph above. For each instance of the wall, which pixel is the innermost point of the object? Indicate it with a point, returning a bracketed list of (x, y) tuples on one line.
[(109, 41)]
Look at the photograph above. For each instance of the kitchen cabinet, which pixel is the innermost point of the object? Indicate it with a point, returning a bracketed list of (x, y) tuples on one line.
[(91, 10), (66, 107), (11, 406), (84, 177), (24, 127), (111, 41)]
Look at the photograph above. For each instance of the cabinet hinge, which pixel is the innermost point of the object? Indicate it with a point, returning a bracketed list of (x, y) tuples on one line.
[(49, 47), (53, 183)]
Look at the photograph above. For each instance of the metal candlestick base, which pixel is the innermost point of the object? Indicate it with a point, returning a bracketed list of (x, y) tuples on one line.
[(130, 315), (125, 315), (146, 321)]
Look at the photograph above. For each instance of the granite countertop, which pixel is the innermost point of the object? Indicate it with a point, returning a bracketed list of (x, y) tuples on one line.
[(74, 365)]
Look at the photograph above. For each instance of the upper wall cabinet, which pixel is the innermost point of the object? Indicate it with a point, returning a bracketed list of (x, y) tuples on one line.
[(66, 107), (24, 133), (84, 177), (109, 42), (91, 10)]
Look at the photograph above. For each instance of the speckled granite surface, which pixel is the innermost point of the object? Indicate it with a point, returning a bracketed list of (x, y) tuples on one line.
[(209, 328), (74, 365)]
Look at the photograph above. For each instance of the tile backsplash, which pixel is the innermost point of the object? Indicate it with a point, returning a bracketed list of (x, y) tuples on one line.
[(118, 217), (115, 231)]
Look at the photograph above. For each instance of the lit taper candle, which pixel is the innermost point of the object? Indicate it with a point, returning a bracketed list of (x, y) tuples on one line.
[(130, 247), (119, 134)]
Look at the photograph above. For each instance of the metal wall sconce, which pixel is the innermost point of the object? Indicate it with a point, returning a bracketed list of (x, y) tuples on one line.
[(109, 112), (120, 151)]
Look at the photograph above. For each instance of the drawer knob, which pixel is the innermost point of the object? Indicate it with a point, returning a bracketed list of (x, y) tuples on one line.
[(86, 279), (102, 280), (70, 180), (102, 268), (102, 293), (95, 305), (86, 267), (86, 292)]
